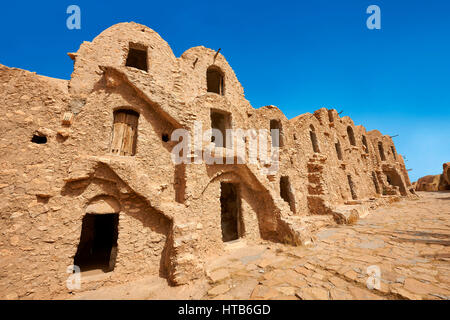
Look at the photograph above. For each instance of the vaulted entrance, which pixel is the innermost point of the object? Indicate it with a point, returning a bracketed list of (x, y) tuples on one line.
[(230, 211), (98, 242)]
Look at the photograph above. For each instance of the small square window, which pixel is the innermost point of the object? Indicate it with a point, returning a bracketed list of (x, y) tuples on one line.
[(137, 58)]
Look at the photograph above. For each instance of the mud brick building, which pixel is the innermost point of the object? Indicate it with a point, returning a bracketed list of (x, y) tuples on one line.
[(87, 176)]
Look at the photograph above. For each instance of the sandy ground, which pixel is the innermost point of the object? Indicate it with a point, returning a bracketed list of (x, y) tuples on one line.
[(396, 252)]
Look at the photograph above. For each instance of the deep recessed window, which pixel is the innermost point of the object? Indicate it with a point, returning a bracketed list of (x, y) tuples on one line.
[(277, 137), (337, 145), (124, 136), (364, 142), (215, 80), (220, 121), (286, 192), (375, 183), (351, 136), (352, 187), (330, 115), (394, 153), (313, 136), (137, 58), (381, 151)]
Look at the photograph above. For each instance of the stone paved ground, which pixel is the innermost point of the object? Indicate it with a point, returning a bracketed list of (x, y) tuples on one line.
[(409, 242)]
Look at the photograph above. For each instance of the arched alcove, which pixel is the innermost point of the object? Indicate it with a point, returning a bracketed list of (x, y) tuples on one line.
[(381, 151), (215, 80), (351, 136), (314, 141), (338, 149)]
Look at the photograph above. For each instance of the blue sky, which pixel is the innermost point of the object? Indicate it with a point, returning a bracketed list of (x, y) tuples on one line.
[(297, 55)]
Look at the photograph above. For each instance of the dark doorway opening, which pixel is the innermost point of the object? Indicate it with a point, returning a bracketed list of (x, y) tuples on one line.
[(286, 192), (98, 242), (230, 211)]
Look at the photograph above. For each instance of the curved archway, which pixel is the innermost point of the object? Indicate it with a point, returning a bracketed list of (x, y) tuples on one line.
[(103, 205), (394, 179), (97, 201), (259, 216)]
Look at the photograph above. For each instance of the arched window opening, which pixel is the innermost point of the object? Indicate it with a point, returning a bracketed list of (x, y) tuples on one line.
[(277, 138), (351, 136), (364, 142), (352, 187), (394, 153), (313, 136), (330, 115), (215, 80), (381, 150), (338, 150), (124, 136), (375, 183)]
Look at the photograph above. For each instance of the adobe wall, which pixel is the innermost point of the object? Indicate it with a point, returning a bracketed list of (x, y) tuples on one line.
[(169, 215)]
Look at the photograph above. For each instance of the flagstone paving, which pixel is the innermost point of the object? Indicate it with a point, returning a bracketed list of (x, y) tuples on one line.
[(409, 242)]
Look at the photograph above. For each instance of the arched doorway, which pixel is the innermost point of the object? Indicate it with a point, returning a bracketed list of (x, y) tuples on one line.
[(97, 248)]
